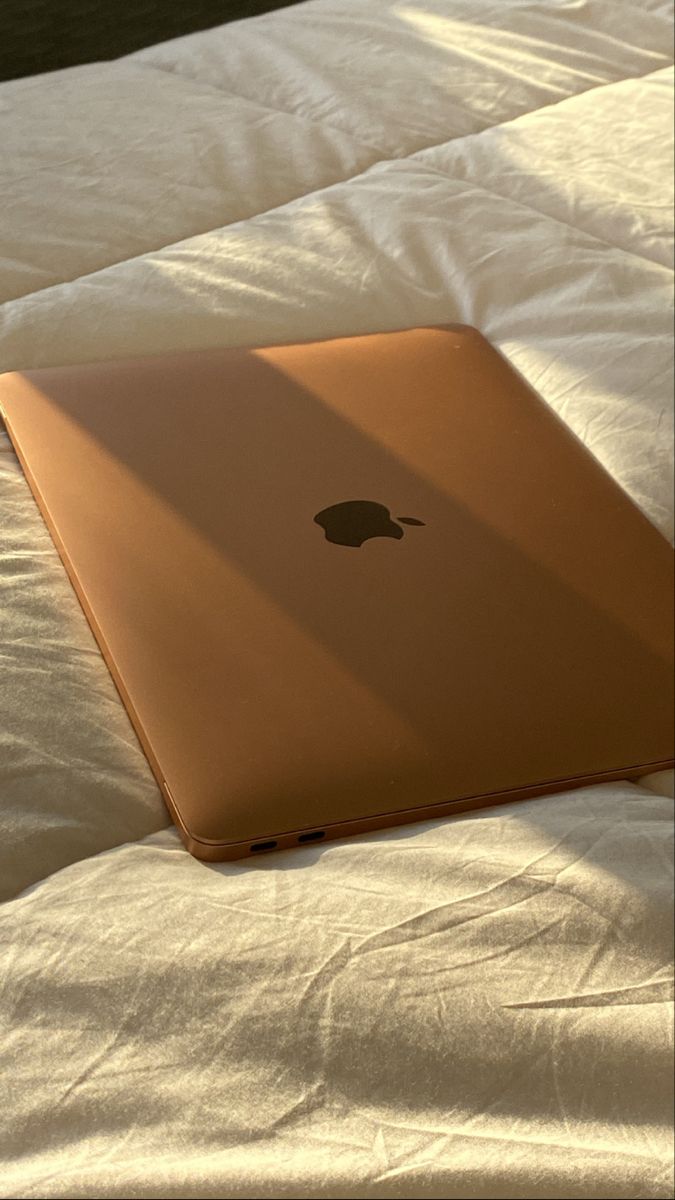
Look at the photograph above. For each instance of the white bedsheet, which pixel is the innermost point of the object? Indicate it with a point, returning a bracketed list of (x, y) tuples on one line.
[(473, 1007)]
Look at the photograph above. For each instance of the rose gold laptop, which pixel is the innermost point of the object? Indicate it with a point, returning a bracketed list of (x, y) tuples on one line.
[(347, 584)]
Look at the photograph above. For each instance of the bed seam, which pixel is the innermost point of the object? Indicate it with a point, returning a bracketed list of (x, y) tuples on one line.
[(547, 216), (228, 92)]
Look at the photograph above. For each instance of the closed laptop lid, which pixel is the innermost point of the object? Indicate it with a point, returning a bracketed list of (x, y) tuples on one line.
[(352, 577)]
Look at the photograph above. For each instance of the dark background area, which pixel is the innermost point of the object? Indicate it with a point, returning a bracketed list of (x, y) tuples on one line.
[(44, 35)]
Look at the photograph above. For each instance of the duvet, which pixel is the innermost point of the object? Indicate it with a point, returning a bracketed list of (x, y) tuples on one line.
[(475, 1007)]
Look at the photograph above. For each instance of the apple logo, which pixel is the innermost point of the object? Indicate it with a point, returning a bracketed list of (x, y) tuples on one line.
[(354, 522)]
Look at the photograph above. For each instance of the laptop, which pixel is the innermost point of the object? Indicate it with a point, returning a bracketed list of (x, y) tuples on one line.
[(348, 584)]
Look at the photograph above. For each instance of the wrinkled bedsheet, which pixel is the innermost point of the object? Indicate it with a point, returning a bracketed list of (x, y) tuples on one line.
[(476, 1007)]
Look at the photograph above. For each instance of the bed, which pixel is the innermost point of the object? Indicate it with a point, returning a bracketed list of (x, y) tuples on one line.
[(476, 1007)]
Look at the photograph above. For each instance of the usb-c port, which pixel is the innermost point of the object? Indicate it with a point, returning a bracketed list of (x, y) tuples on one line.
[(314, 836), (262, 846)]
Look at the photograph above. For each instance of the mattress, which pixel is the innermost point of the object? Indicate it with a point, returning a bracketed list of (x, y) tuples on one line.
[(475, 1007)]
